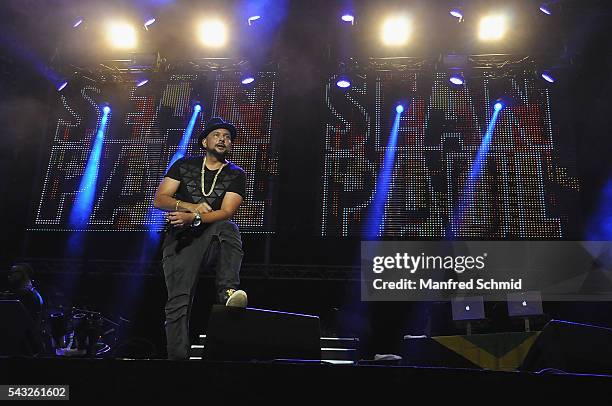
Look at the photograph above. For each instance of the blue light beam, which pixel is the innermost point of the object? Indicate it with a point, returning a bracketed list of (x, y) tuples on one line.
[(157, 216), (467, 197), (599, 226), (182, 147), (376, 221), (83, 205)]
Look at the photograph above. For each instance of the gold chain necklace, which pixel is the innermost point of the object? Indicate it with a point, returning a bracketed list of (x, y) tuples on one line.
[(214, 180)]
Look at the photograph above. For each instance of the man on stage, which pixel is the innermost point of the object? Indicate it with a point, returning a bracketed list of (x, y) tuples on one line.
[(201, 194)]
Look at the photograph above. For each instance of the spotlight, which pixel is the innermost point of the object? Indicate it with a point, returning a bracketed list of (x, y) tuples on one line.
[(457, 79), (197, 107), (547, 76), (142, 82), (395, 31), (505, 102), (545, 8), (492, 28), (457, 13), (343, 82), (84, 199), (61, 86), (149, 22), (348, 18), (77, 22), (399, 109), (252, 19), (121, 35), (212, 33), (247, 80)]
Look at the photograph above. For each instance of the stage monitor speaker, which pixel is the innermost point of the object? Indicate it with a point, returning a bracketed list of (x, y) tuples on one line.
[(236, 334), (18, 335), (571, 347)]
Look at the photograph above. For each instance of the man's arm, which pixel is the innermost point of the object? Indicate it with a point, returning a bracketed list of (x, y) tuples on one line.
[(181, 214), (229, 206), (164, 199)]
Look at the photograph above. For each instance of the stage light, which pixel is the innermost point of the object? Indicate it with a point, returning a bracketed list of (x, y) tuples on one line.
[(247, 80), (149, 22), (212, 33), (348, 18), (492, 28), (61, 86), (251, 20), (343, 82), (186, 138), (457, 79), (142, 82), (121, 35), (457, 13), (466, 199), (376, 217), (78, 22), (84, 200), (547, 76), (545, 8), (396, 31)]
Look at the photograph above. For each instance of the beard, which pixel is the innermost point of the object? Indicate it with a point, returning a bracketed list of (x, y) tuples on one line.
[(219, 156)]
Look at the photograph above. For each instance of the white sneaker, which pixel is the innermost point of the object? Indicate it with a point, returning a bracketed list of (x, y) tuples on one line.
[(236, 298)]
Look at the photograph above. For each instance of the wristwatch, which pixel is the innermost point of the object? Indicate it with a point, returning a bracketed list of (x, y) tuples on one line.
[(197, 220)]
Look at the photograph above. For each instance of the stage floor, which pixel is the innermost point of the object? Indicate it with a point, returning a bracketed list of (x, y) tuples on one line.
[(155, 380)]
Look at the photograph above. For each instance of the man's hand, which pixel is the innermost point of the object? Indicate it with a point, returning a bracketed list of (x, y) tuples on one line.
[(180, 219), (203, 208)]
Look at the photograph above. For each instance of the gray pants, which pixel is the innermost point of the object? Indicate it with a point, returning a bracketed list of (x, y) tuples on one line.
[(182, 260)]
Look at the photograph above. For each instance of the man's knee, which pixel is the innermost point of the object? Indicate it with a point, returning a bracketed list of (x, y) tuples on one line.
[(227, 227)]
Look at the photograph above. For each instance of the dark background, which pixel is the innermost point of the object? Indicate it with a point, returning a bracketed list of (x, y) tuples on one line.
[(33, 37)]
